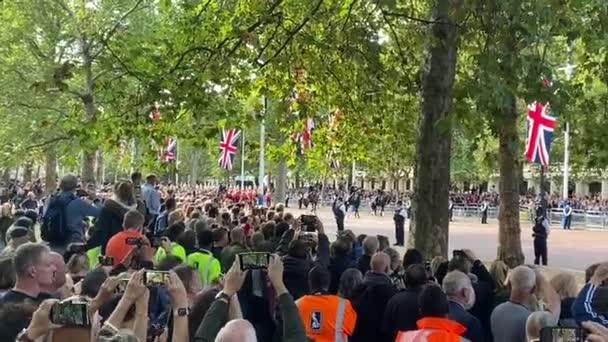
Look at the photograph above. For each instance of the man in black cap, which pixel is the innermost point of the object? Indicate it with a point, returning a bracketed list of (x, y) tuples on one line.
[(17, 235)]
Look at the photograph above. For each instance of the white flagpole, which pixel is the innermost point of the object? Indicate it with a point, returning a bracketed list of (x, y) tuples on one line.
[(262, 133), (242, 160), (176, 163), (566, 160)]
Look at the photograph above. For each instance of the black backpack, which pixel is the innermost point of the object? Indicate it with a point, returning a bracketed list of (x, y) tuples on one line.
[(54, 228)]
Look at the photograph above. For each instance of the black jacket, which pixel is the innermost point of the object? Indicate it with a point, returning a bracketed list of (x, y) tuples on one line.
[(109, 223), (402, 312), (474, 333), (337, 266), (295, 269), (484, 297), (370, 307), (363, 263)]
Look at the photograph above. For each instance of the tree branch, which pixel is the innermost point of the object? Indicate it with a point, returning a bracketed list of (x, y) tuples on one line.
[(35, 107), (48, 142), (65, 7), (350, 10), (423, 21), (198, 15), (293, 33), (123, 64), (108, 35), (274, 33)]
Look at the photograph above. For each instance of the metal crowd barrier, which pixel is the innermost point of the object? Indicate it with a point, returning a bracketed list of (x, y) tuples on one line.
[(580, 218)]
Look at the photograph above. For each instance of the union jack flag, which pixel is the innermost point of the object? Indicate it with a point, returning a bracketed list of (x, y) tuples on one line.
[(228, 147), (170, 148), (540, 133)]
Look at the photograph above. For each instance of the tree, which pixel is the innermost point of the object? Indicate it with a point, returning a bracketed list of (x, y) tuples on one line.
[(429, 226)]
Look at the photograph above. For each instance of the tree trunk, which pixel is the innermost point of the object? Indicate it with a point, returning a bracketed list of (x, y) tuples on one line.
[(6, 176), (281, 181), (194, 168), (28, 169), (50, 171), (509, 232), (88, 100), (100, 166), (87, 175), (429, 227)]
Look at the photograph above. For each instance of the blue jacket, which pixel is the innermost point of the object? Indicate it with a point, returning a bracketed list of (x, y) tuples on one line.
[(583, 307), (75, 213), (151, 197)]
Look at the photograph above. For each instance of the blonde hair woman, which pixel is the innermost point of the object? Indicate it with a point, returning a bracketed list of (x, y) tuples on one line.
[(567, 289), (499, 271), (6, 220)]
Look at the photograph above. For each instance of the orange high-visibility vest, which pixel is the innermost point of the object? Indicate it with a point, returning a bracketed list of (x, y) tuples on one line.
[(327, 318)]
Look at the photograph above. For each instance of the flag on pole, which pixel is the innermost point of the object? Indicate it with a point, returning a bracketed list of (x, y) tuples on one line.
[(303, 138), (228, 147), (170, 149), (155, 114), (539, 133)]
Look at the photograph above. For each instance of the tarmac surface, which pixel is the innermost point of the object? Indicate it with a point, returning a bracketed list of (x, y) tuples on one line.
[(572, 250)]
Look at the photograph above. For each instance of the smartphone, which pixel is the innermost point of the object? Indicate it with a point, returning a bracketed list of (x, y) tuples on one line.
[(70, 314), (562, 334), (254, 260), (156, 278), (106, 260), (133, 241), (309, 223), (122, 285), (458, 253)]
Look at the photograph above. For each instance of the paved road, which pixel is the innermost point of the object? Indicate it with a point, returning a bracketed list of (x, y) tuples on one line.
[(574, 250)]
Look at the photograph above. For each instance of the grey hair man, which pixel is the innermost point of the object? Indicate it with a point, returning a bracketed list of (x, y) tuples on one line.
[(508, 320), (370, 246), (461, 297)]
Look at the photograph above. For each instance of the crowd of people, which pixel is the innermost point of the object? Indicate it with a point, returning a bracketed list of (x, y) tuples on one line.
[(149, 262)]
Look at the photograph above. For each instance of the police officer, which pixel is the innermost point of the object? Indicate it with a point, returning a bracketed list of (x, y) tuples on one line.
[(399, 218), (484, 212), (339, 209), (540, 232), (567, 215), (451, 210)]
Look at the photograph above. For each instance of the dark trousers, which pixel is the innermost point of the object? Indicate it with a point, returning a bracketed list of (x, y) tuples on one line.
[(340, 223), (300, 203), (484, 217), (451, 214), (400, 232), (287, 203), (540, 251), (567, 222)]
